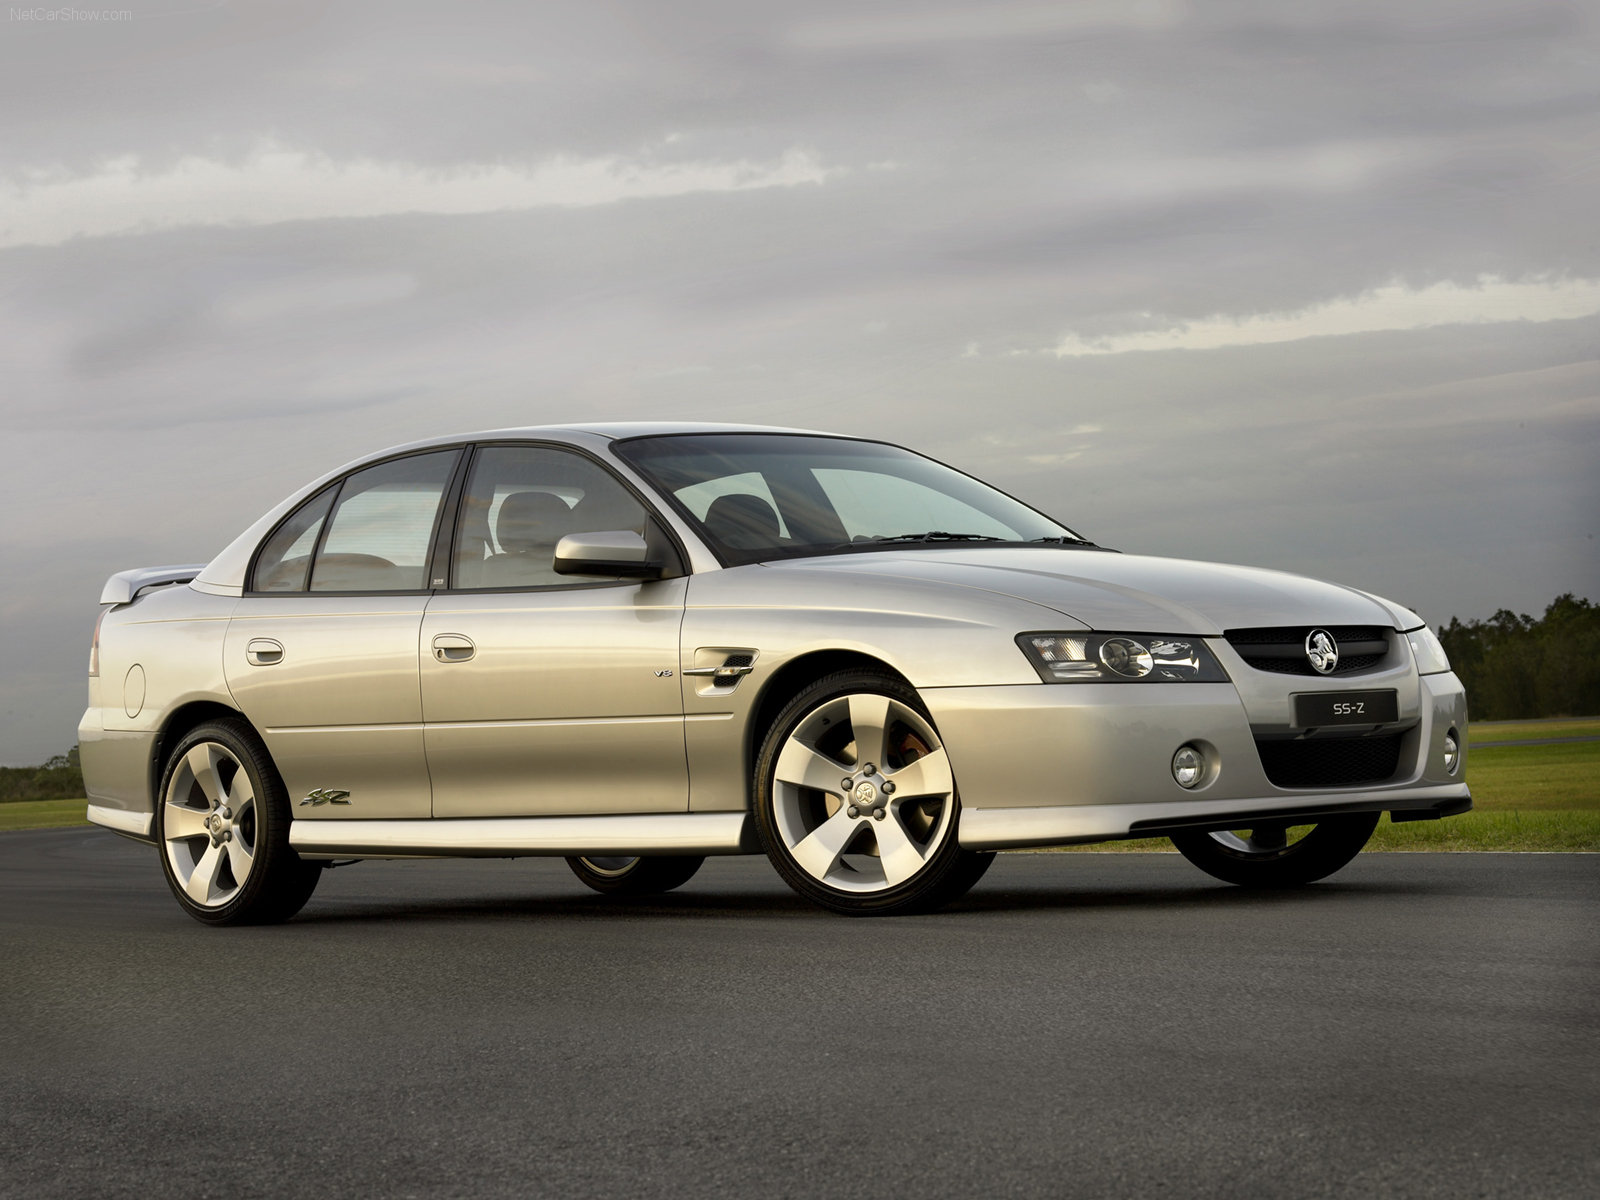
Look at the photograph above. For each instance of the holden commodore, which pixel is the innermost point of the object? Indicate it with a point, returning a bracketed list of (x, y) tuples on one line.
[(634, 646)]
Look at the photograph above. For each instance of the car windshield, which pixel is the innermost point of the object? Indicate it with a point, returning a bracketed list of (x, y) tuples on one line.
[(758, 496)]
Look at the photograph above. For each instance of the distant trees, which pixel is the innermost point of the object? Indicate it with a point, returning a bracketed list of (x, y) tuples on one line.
[(1518, 666), (57, 779)]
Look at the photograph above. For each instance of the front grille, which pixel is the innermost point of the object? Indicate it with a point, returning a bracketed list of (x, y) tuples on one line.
[(1330, 762), (1283, 650)]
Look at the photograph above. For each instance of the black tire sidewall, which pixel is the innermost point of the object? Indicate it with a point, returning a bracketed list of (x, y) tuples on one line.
[(1331, 845), (280, 881), (649, 875)]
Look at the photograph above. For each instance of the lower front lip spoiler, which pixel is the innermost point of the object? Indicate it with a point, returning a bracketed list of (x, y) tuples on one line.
[(1060, 825)]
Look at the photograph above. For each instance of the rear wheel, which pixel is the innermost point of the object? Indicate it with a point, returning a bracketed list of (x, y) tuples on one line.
[(222, 823), (1277, 854), (856, 803), (620, 876)]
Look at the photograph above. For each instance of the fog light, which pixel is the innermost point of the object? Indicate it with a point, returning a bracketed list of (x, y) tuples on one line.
[(1188, 766), (1452, 753)]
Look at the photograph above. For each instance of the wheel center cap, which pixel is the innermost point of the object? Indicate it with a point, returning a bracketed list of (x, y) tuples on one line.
[(214, 823), (865, 793)]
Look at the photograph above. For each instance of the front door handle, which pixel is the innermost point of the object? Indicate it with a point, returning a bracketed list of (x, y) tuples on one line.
[(453, 647), (263, 652)]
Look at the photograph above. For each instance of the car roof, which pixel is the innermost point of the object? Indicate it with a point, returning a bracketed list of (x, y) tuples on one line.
[(609, 430)]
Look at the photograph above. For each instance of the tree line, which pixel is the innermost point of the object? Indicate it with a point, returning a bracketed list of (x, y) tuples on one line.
[(1517, 667), (57, 779), (1514, 666)]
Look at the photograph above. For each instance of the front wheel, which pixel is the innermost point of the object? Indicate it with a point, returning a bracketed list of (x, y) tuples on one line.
[(223, 826), (856, 803), (1276, 854), (619, 876)]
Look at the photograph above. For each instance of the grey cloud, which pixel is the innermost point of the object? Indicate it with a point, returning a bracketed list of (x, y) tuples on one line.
[(1002, 178)]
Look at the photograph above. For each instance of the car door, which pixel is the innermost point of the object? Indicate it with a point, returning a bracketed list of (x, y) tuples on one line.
[(546, 693), (321, 652)]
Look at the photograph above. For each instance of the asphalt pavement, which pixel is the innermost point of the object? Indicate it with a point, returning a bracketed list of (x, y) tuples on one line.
[(1081, 1025)]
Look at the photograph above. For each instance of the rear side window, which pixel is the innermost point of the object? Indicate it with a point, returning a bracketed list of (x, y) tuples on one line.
[(382, 526), (284, 563)]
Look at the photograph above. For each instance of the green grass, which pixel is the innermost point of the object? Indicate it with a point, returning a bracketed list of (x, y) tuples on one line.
[(1536, 778), (1510, 731), (42, 814), (1491, 830)]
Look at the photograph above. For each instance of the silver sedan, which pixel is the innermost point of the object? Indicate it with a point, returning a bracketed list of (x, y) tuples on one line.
[(634, 646)]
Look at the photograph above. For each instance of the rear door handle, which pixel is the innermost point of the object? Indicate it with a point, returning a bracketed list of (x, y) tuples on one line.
[(263, 652), (453, 647)]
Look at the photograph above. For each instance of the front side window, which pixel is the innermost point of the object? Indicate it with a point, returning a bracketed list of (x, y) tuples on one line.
[(382, 527), (522, 500), (757, 496)]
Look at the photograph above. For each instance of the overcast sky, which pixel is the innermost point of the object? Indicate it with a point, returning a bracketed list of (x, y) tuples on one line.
[(1309, 286)]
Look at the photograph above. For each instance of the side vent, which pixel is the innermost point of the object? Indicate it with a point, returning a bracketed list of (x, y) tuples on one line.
[(722, 667)]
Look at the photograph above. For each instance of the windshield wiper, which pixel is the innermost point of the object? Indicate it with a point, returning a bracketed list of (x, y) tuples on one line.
[(933, 535), (1064, 541)]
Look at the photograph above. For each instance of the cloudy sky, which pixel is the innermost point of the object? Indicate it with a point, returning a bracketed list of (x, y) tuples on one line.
[(1311, 286)]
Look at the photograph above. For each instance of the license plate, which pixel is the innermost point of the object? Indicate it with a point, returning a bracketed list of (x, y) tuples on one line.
[(1314, 710)]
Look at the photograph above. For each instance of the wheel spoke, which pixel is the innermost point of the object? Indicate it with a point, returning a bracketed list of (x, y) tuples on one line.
[(180, 821), (203, 762), (869, 721), (818, 852), (202, 884), (802, 766), (928, 776), (240, 859), (902, 857), (240, 794)]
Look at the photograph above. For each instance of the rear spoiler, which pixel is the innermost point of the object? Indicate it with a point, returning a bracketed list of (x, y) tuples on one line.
[(127, 586)]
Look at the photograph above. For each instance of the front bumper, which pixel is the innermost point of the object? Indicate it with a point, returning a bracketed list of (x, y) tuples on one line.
[(1050, 764)]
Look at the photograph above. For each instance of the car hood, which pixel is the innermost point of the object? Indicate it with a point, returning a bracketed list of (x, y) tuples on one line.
[(1129, 592)]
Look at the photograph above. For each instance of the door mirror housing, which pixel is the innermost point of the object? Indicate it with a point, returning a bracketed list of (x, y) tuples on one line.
[(612, 552)]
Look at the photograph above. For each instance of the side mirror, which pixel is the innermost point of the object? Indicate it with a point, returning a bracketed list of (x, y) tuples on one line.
[(613, 552)]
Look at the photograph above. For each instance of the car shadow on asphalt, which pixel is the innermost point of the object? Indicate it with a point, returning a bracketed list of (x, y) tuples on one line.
[(771, 904)]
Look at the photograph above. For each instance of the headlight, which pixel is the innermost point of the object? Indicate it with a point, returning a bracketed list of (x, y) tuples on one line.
[(1120, 658), (1428, 651)]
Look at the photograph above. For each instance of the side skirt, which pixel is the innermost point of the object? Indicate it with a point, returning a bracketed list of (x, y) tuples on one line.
[(129, 824), (647, 834)]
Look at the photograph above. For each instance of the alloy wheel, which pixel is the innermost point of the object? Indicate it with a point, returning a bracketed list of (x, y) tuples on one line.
[(209, 824), (863, 794)]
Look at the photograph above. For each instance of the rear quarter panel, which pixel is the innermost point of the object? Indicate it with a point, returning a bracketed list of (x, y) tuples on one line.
[(157, 654)]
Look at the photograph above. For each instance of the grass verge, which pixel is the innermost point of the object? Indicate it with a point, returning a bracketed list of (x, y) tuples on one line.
[(42, 814), (1511, 731)]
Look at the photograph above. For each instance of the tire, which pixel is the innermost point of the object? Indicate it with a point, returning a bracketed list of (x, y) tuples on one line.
[(618, 876), (222, 826), (1271, 857), (870, 832)]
